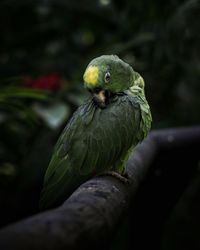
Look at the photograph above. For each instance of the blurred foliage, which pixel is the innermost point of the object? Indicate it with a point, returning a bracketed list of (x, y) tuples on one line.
[(159, 39), (45, 46)]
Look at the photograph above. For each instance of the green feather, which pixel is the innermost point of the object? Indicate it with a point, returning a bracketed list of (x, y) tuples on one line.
[(97, 140)]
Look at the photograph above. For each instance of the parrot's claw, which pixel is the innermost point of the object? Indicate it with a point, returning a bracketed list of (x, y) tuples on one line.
[(120, 177)]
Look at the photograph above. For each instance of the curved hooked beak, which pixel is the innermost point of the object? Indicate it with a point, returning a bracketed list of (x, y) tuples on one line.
[(101, 97)]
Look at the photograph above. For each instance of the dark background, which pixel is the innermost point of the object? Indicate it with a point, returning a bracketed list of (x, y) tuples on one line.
[(46, 45)]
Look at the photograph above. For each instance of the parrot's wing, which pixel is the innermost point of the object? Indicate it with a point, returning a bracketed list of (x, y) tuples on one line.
[(62, 175), (146, 117), (72, 141), (62, 180)]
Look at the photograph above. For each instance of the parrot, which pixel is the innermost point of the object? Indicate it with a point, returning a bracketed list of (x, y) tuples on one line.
[(102, 132)]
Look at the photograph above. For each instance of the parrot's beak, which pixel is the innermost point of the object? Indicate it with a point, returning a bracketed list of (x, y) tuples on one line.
[(100, 98)]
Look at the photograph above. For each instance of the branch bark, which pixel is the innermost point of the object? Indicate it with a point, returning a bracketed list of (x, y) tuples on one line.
[(87, 219)]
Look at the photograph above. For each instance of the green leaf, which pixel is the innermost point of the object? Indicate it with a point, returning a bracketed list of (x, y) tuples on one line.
[(20, 92)]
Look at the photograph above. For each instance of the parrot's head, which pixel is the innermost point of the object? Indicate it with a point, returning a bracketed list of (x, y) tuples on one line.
[(107, 76)]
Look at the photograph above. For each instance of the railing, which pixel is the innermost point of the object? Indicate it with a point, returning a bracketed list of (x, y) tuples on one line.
[(159, 170)]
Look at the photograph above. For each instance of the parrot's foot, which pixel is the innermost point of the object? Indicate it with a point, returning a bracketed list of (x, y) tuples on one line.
[(123, 179)]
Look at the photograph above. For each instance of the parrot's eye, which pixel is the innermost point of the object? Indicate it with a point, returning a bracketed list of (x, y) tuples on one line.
[(107, 77)]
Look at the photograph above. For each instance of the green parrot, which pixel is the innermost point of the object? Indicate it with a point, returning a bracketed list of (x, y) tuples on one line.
[(102, 133)]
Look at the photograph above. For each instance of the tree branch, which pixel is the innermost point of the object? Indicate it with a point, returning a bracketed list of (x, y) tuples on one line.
[(87, 219)]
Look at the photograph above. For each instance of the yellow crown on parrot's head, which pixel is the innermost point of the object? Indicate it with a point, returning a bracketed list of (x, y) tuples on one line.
[(91, 76)]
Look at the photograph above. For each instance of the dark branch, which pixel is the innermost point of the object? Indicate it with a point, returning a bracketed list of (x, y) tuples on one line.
[(87, 219)]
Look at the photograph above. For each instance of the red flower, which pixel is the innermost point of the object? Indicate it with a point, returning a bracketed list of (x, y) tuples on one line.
[(51, 82)]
